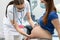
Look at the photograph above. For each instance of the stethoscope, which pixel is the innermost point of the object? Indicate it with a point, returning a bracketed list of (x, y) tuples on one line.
[(19, 18)]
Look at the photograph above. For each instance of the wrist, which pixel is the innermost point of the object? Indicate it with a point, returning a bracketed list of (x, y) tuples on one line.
[(26, 35)]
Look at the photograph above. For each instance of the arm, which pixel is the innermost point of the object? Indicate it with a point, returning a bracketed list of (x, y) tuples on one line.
[(56, 24), (28, 14), (30, 20), (19, 29), (10, 16)]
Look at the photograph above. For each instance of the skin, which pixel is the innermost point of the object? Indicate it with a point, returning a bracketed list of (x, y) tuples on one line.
[(15, 24), (57, 26), (38, 32)]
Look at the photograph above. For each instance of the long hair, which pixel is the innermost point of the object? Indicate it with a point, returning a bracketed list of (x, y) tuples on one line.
[(12, 2), (16, 2), (49, 7)]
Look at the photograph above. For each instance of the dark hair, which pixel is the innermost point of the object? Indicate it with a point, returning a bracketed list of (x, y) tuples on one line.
[(49, 7), (16, 2), (28, 1), (12, 2)]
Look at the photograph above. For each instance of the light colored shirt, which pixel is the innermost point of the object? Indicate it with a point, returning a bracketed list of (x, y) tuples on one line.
[(20, 17)]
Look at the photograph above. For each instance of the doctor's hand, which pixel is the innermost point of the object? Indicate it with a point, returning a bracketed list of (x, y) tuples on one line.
[(28, 37)]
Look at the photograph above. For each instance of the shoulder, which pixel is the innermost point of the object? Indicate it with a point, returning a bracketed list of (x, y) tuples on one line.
[(53, 15), (10, 8), (26, 3)]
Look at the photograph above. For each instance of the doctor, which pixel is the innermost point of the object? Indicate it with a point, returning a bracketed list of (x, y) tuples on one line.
[(17, 12)]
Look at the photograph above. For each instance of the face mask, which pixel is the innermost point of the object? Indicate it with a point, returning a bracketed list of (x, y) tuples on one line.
[(42, 5), (20, 10)]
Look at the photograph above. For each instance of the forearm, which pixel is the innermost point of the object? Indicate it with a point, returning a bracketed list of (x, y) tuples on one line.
[(59, 36), (19, 29), (58, 30), (31, 23)]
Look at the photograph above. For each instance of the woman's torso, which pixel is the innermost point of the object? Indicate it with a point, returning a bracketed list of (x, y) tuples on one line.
[(49, 26)]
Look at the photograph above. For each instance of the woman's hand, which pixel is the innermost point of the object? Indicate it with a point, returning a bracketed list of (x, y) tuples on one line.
[(28, 37)]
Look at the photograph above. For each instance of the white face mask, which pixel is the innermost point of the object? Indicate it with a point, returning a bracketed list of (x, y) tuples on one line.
[(20, 10), (42, 5)]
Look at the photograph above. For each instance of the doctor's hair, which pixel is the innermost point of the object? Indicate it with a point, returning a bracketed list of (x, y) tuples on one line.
[(49, 7), (15, 2)]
